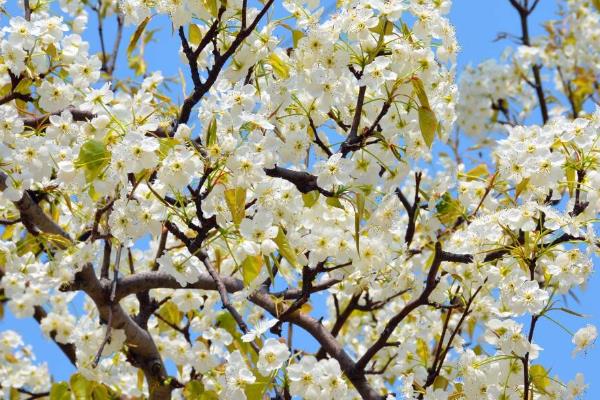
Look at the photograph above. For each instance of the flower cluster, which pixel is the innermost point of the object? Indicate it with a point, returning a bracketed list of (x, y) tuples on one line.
[(201, 233)]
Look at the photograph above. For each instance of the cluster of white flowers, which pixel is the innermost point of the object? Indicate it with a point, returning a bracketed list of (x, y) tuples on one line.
[(307, 169), (489, 93), (312, 379), (18, 370)]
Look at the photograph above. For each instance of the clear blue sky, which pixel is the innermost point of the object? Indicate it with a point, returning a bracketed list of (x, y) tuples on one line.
[(477, 23)]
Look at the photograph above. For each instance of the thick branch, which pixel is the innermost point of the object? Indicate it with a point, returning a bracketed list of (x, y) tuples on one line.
[(142, 348), (303, 181), (32, 214)]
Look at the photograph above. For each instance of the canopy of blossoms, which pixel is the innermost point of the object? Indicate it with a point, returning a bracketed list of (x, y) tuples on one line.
[(310, 181)]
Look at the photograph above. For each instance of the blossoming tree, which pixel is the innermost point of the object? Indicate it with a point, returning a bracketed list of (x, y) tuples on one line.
[(309, 183)]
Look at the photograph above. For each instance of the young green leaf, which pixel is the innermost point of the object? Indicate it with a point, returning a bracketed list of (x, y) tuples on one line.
[(285, 249), (428, 124), (236, 201), (195, 35), (136, 36), (93, 157), (358, 216), (251, 268), (419, 90), (310, 198), (60, 391)]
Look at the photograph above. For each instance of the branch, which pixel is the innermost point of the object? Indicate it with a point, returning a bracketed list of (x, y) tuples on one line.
[(523, 15), (224, 294), (32, 215), (303, 181), (339, 322), (39, 121), (430, 284), (27, 10), (15, 96), (346, 146), (220, 60), (142, 349), (154, 280), (410, 209)]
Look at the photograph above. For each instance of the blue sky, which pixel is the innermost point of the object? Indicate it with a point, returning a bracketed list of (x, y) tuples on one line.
[(477, 23)]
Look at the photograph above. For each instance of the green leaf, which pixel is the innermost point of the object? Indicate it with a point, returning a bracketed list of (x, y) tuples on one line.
[(539, 377), (60, 391), (480, 171), (251, 268), (285, 249), (136, 36), (195, 390), (335, 202), (596, 4), (310, 198), (80, 387), (448, 209), (428, 124), (440, 383), (100, 392), (296, 36), (211, 5), (422, 350), (419, 90), (171, 314), (571, 179), (358, 216), (195, 35), (93, 158), (236, 201), (280, 68), (568, 311), (165, 145), (381, 25), (211, 133), (257, 389)]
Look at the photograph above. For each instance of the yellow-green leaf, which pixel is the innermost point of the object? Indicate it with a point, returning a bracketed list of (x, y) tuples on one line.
[(422, 350), (251, 268), (571, 180), (296, 36), (140, 379), (211, 132), (171, 314), (428, 124), (60, 391), (280, 68), (80, 387), (195, 35), (165, 145), (358, 216), (335, 202), (310, 198), (419, 90), (211, 5), (100, 392), (236, 201), (480, 171), (440, 383), (93, 157), (285, 249), (136, 36), (258, 389), (539, 377), (383, 24)]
